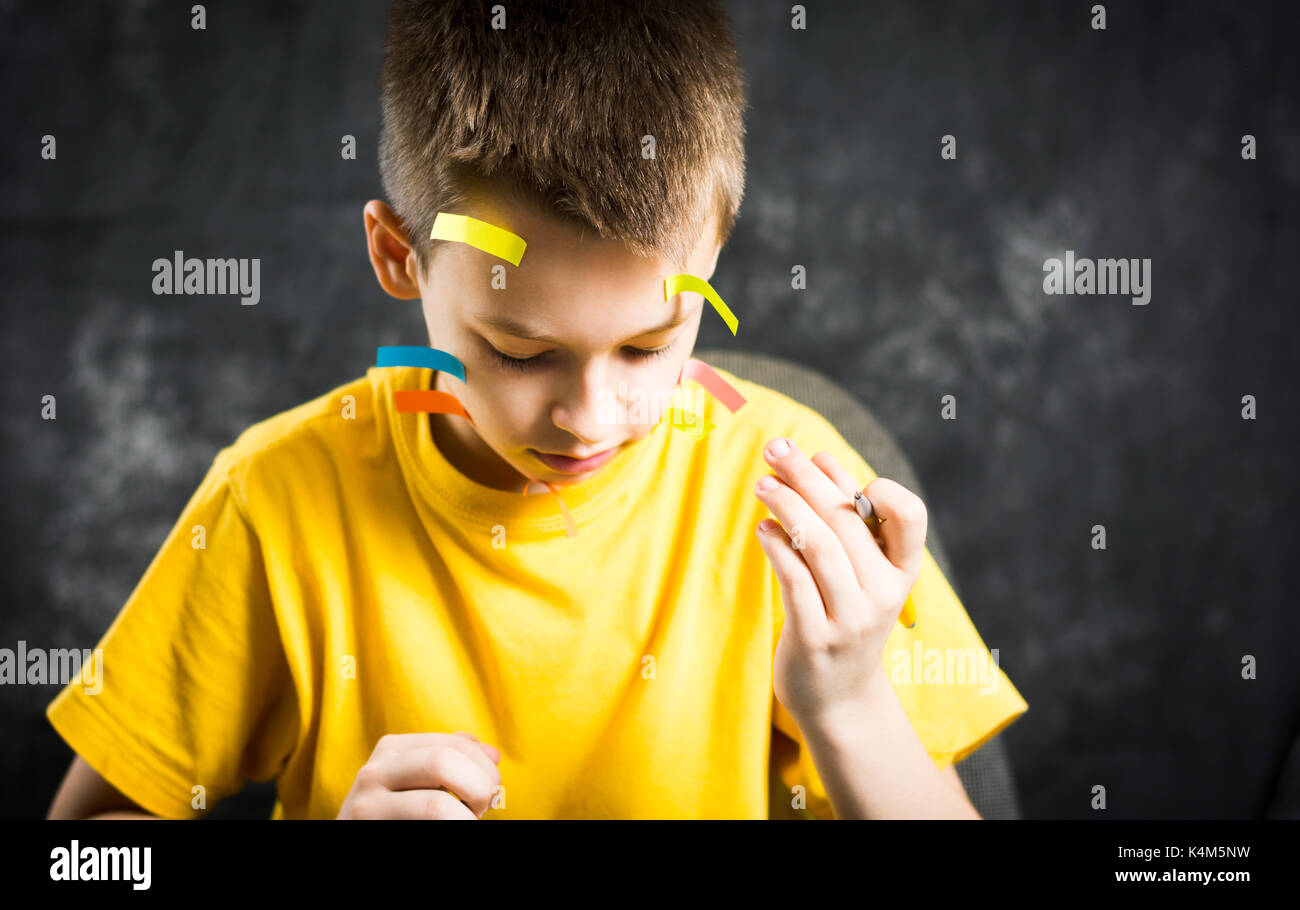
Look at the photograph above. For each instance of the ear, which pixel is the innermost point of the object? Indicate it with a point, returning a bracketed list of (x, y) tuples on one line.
[(395, 262), (714, 264)]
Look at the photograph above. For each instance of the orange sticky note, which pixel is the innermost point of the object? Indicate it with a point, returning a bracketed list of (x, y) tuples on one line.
[(410, 401), (570, 526)]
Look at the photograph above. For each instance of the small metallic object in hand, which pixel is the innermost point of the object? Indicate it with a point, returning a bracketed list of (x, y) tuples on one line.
[(863, 507)]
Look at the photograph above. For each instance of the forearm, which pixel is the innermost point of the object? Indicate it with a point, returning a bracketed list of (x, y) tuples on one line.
[(873, 764)]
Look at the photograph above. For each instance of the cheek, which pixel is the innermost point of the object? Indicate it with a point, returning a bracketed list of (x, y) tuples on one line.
[(513, 407)]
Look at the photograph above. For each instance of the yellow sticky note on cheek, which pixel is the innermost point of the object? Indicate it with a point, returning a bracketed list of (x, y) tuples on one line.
[(688, 422)]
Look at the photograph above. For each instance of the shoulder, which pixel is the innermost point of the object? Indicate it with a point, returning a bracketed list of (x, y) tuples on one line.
[(768, 413), (762, 405), (306, 437)]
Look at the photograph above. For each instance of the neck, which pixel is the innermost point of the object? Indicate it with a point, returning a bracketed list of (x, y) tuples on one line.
[(467, 453)]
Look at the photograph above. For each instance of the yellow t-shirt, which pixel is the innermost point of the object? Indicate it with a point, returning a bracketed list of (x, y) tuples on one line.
[(334, 579)]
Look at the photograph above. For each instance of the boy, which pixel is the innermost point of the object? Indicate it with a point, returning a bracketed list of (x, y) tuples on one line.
[(436, 614)]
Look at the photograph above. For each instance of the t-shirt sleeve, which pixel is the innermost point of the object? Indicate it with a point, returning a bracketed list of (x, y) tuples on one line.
[(949, 683), (189, 687)]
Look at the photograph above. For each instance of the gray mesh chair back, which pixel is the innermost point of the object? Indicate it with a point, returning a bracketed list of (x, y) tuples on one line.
[(986, 774)]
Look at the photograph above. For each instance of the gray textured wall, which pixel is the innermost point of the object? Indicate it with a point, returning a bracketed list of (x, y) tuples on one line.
[(925, 279)]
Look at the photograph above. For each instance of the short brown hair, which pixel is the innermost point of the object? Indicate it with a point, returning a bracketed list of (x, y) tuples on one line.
[(552, 109)]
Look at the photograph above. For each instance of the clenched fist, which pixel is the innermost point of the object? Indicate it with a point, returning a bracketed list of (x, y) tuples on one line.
[(425, 775)]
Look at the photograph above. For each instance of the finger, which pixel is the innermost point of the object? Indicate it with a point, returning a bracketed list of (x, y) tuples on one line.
[(475, 752), (835, 471), (405, 742), (819, 547), (439, 767), (492, 751), (835, 507), (903, 523), (804, 612), (844, 480), (419, 804)]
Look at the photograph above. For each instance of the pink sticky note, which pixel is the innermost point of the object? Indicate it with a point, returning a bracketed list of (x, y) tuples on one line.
[(718, 387)]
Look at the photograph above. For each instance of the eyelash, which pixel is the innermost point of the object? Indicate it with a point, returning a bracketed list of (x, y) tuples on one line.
[(530, 363)]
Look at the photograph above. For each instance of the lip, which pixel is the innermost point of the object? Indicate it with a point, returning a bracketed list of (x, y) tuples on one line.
[(562, 464)]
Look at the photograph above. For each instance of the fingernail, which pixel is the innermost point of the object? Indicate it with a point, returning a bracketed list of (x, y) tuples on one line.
[(767, 483), (778, 448)]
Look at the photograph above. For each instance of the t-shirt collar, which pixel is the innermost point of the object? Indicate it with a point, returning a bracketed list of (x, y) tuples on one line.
[(537, 514)]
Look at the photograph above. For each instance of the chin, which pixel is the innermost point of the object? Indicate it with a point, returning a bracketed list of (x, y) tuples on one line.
[(556, 479)]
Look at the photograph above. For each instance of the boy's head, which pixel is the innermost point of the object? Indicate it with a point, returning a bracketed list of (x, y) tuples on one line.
[(543, 127)]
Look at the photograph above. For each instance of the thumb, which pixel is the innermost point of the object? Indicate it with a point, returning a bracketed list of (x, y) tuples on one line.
[(490, 751)]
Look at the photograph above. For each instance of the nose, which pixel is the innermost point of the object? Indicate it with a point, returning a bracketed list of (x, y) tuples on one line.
[(588, 409)]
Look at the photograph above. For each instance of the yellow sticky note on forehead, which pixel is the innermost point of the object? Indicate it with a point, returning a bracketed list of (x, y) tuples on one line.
[(678, 283), (487, 237)]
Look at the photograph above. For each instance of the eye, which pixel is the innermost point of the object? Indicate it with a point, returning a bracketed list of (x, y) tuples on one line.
[(523, 365), (651, 354), (514, 363)]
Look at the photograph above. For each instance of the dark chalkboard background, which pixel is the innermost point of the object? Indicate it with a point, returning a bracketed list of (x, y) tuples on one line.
[(924, 280)]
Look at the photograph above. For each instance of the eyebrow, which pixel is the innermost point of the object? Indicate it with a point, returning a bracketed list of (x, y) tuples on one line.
[(519, 330)]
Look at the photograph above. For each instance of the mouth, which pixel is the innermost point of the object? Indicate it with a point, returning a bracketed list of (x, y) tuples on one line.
[(563, 464)]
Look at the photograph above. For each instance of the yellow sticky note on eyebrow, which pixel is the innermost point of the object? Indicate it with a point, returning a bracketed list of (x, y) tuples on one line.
[(678, 283), (487, 237)]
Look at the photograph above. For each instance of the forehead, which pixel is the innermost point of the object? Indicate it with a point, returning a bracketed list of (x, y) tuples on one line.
[(570, 282), (556, 243)]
